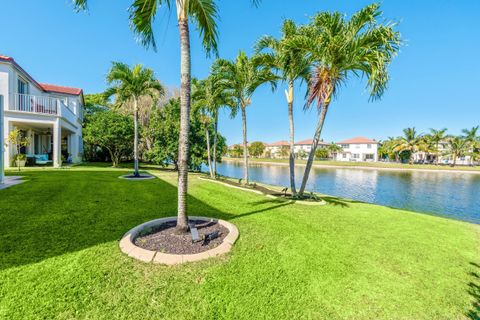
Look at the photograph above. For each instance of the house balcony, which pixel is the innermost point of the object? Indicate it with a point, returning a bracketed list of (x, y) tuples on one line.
[(41, 105)]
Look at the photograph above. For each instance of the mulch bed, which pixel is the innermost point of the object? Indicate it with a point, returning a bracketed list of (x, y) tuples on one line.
[(164, 238)]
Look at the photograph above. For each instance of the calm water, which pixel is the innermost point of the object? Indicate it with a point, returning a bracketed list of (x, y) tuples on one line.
[(454, 195)]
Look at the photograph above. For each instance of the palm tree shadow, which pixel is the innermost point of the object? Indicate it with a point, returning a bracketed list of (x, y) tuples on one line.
[(337, 201), (474, 292), (277, 203)]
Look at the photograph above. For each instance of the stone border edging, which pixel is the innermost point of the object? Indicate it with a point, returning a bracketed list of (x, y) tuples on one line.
[(308, 203), (128, 247), (142, 177)]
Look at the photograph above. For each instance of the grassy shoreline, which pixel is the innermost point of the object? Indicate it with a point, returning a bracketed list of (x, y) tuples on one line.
[(59, 255), (364, 165)]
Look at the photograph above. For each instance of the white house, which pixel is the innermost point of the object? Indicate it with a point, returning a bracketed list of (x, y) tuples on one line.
[(305, 146), (277, 149), (424, 157), (50, 115), (358, 149)]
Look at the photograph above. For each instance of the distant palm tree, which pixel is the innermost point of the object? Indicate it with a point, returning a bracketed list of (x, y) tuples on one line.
[(410, 142), (292, 64), (209, 96), (435, 137), (334, 149), (339, 49), (128, 86), (243, 76), (456, 147), (204, 14), (472, 138)]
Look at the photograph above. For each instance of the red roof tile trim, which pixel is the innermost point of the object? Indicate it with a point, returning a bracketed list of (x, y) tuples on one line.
[(309, 142), (44, 86), (358, 140), (60, 89), (279, 144)]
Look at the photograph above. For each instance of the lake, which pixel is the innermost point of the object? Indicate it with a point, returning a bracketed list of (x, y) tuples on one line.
[(452, 195)]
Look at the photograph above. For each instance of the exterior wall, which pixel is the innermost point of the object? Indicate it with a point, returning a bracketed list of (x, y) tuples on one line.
[(358, 152), (68, 121)]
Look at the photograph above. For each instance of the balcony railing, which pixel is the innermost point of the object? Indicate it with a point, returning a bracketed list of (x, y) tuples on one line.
[(34, 104)]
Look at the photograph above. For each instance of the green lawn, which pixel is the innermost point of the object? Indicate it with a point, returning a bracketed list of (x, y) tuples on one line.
[(364, 164), (59, 256)]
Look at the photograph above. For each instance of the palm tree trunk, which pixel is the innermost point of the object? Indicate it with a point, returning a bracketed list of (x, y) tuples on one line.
[(316, 138), (245, 147), (210, 168), (182, 218), (135, 142), (215, 129), (289, 95)]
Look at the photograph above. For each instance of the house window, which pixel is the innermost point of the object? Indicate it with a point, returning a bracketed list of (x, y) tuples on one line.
[(344, 155), (369, 156), (356, 156), (369, 146), (22, 86), (345, 146)]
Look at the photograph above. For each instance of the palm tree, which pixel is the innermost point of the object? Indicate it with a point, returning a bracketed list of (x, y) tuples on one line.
[(128, 86), (456, 147), (210, 95), (339, 49), (243, 76), (204, 14), (437, 136), (410, 142), (334, 149), (472, 138), (292, 65)]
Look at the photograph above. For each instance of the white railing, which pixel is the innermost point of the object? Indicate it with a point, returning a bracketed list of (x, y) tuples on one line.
[(34, 104)]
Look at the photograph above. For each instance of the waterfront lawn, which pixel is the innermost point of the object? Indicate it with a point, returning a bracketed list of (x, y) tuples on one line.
[(388, 165), (59, 256)]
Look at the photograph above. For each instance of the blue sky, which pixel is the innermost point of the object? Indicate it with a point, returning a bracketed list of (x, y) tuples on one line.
[(434, 81)]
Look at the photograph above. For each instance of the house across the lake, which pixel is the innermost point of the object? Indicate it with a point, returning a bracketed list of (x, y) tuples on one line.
[(358, 149), (49, 115)]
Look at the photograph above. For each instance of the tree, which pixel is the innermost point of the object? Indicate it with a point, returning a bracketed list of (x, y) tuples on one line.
[(256, 149), (236, 151), (472, 138), (292, 65), (321, 153), (129, 85), (110, 130), (243, 76), (94, 103), (435, 137), (456, 147), (338, 49), (334, 149), (164, 129), (18, 140), (209, 96), (204, 14), (284, 151), (410, 142)]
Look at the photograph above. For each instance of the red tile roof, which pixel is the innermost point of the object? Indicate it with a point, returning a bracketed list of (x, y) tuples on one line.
[(279, 144), (309, 142), (43, 86), (358, 140), (60, 89)]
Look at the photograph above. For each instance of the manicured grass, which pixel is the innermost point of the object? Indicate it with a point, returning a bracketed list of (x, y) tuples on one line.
[(364, 164), (59, 256)]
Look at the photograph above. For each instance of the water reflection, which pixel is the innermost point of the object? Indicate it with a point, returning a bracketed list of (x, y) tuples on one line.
[(455, 195)]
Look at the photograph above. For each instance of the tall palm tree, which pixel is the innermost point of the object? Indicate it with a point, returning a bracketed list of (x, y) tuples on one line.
[(437, 136), (210, 95), (456, 147), (204, 14), (339, 49), (243, 76), (292, 64), (472, 138), (410, 142), (128, 86)]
